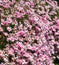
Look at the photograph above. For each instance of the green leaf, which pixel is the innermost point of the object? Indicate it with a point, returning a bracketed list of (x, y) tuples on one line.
[(17, 0), (3, 42), (26, 16), (12, 25), (5, 28), (56, 61), (46, 4), (52, 16), (2, 46), (58, 13), (7, 11), (1, 60)]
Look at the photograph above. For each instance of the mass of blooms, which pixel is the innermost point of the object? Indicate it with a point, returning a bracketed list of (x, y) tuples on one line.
[(29, 32)]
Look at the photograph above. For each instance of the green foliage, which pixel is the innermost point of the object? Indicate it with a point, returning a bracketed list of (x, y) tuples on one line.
[(2, 41), (52, 16), (17, 0), (2, 46), (25, 16), (58, 13), (7, 11), (46, 4), (56, 61), (1, 60), (12, 25)]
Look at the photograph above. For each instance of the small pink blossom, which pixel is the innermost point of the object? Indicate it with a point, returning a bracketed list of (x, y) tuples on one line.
[(9, 29), (6, 6), (21, 33), (5, 23), (6, 34), (1, 29), (57, 22), (12, 39), (11, 51)]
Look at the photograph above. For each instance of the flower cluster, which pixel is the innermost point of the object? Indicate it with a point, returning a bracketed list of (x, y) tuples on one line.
[(29, 32)]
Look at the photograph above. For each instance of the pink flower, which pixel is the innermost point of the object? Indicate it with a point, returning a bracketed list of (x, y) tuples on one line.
[(20, 27), (19, 45), (57, 22), (21, 33), (1, 4), (21, 10), (31, 20), (6, 6), (11, 51), (5, 23), (56, 27), (37, 29), (27, 55), (18, 15), (28, 12), (12, 3), (32, 4), (34, 48), (9, 29), (1, 29), (12, 39), (6, 34)]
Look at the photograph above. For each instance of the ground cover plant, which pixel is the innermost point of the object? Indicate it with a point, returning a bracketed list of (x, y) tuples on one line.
[(29, 32)]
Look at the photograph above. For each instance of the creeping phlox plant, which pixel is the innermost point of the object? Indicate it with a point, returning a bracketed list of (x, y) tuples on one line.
[(29, 32)]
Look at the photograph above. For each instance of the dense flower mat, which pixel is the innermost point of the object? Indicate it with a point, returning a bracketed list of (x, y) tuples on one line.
[(29, 32)]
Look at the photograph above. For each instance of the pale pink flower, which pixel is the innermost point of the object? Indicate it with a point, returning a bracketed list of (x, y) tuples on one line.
[(21, 33), (1, 29), (9, 29), (6, 6), (57, 22), (11, 51), (5, 23), (6, 34), (12, 39)]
